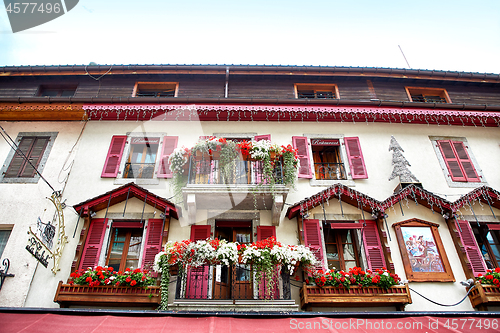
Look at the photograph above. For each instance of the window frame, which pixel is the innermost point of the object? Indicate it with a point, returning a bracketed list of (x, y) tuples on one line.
[(444, 167), (154, 86), (41, 164), (126, 246), (329, 87), (343, 154), (413, 276), (5, 229), (100, 241), (482, 232), (340, 249), (441, 92), (119, 179), (59, 88)]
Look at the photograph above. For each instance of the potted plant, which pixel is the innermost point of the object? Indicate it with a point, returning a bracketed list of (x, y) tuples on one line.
[(354, 288), (103, 285), (486, 290), (267, 258)]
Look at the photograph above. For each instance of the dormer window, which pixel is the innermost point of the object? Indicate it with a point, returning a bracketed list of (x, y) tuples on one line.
[(426, 95), (316, 91), (57, 91), (156, 89)]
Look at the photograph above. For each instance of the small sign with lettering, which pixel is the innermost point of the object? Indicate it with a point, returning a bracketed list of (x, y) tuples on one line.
[(38, 249), (145, 141), (325, 142)]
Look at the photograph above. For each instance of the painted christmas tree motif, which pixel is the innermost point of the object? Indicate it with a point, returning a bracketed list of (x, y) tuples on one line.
[(400, 164)]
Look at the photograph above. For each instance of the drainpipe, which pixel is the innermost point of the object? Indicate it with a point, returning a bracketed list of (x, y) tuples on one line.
[(227, 82)]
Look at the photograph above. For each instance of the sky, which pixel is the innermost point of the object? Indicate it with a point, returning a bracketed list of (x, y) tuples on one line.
[(452, 35)]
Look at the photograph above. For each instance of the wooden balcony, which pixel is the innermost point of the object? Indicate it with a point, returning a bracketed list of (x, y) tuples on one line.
[(108, 296), (355, 296), (483, 295)]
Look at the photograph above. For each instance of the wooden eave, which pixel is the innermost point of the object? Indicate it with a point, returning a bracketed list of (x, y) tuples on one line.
[(484, 194), (419, 195), (248, 70), (42, 112), (121, 194)]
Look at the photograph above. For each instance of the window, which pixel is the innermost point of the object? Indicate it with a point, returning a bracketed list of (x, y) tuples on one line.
[(336, 244), (147, 155), (142, 158), (57, 91), (124, 248), (426, 95), (316, 91), (4, 237), (129, 243), (156, 89), (328, 156), (31, 155), (422, 251), (457, 162), (481, 242), (341, 251), (328, 162), (488, 241)]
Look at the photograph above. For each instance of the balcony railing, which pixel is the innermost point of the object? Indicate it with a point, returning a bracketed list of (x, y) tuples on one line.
[(235, 282), (327, 171), (209, 171)]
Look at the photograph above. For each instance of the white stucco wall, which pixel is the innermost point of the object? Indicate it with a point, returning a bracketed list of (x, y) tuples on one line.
[(22, 204), (85, 182)]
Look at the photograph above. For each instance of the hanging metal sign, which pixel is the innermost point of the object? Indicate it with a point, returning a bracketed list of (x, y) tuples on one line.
[(42, 249), (38, 249)]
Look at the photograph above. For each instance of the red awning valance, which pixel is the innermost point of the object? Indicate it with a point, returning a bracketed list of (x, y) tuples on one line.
[(88, 322)]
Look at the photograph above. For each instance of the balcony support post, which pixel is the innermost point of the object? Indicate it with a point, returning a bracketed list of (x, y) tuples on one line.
[(277, 208)]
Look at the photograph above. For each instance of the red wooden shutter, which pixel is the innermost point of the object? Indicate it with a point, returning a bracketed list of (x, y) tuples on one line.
[(313, 239), (114, 156), (169, 144), (93, 244), (264, 232), (301, 144), (355, 158), (200, 232), (457, 161), (262, 137), (465, 161), (152, 243), (472, 251), (373, 245), (197, 277)]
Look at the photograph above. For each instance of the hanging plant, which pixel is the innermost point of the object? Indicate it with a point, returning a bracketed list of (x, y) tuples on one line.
[(267, 258)]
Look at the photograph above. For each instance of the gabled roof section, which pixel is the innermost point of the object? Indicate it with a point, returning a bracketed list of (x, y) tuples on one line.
[(419, 196), (339, 192), (484, 194), (123, 193)]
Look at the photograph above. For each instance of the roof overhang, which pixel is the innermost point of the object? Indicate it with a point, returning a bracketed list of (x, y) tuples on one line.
[(123, 193), (411, 192), (290, 112)]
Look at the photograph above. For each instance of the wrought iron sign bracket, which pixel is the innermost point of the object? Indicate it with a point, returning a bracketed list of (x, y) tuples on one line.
[(39, 249), (3, 272)]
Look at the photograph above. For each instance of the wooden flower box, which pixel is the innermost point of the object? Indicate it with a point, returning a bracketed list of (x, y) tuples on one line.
[(355, 296), (483, 295), (69, 295)]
